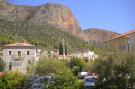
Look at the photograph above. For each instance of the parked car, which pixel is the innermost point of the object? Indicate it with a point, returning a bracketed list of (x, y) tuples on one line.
[(89, 81), (81, 75), (36, 86)]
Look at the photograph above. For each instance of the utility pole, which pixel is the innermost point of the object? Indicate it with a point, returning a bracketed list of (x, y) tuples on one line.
[(63, 48), (128, 43)]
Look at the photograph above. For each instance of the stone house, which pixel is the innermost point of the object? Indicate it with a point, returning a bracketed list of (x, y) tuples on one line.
[(18, 55), (124, 42)]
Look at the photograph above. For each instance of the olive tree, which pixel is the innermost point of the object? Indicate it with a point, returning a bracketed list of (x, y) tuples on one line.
[(115, 70), (64, 77)]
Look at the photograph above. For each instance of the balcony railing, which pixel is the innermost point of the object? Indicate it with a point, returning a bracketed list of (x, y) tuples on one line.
[(17, 60)]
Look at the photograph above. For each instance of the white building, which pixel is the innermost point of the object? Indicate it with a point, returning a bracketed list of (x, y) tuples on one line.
[(85, 54), (18, 55)]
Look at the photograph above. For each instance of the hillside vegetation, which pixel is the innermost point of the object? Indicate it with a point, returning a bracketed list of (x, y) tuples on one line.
[(45, 36)]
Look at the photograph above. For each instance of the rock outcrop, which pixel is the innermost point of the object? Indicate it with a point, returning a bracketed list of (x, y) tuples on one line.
[(98, 36), (50, 13)]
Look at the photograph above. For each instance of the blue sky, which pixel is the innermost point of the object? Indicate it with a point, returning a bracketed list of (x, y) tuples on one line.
[(113, 15)]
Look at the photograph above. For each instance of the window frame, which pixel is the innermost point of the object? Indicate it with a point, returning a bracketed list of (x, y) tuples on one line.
[(10, 53), (19, 53), (28, 52)]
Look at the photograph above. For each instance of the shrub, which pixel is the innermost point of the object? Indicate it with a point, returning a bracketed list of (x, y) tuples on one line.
[(76, 65), (115, 71), (64, 77), (12, 80), (2, 65)]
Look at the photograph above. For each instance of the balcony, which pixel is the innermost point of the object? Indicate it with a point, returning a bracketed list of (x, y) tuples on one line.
[(17, 60)]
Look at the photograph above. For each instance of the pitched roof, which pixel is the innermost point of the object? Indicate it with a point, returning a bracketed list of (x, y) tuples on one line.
[(123, 35), (20, 45)]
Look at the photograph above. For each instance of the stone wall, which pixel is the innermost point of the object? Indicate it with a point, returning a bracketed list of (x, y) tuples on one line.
[(25, 58)]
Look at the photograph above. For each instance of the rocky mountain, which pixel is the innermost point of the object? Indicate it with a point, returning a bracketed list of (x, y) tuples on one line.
[(53, 14), (44, 26), (98, 36)]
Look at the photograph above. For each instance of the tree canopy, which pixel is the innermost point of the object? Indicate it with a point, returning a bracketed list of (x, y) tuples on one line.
[(115, 70), (64, 77)]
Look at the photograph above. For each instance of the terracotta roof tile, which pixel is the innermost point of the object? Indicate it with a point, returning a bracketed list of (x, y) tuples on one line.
[(123, 35)]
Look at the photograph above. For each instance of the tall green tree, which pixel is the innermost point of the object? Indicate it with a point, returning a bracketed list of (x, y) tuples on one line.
[(65, 50), (60, 48), (77, 65)]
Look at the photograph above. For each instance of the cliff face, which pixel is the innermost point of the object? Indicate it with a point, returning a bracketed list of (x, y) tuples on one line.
[(59, 16), (98, 36), (50, 13), (54, 15)]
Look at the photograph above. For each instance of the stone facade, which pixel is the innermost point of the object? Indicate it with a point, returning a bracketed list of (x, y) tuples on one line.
[(17, 56), (124, 42)]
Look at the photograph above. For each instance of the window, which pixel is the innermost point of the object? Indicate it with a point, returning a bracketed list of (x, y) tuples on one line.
[(9, 52), (28, 52), (19, 53), (10, 66)]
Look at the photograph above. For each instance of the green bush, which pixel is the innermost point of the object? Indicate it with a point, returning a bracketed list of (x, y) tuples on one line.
[(2, 65), (77, 65), (12, 80), (115, 71), (64, 77)]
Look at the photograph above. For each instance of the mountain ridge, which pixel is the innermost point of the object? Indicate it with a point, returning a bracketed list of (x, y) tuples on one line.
[(56, 15), (53, 14), (98, 36)]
